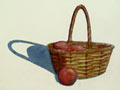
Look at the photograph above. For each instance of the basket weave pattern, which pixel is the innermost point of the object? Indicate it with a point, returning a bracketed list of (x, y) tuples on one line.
[(90, 62), (87, 63)]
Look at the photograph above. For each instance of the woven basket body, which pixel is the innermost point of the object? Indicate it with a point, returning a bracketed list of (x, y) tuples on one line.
[(90, 62)]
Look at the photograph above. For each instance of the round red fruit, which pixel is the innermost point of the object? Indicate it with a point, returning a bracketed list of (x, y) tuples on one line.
[(67, 76), (77, 47), (61, 45)]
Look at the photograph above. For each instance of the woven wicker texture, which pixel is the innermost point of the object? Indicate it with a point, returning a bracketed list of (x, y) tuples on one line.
[(90, 62)]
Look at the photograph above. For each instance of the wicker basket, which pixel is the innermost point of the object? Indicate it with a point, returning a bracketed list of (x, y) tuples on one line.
[(90, 62)]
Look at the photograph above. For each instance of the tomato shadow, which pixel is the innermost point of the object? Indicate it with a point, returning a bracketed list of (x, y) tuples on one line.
[(38, 54)]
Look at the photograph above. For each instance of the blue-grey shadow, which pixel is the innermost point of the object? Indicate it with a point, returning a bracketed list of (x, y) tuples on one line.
[(37, 54)]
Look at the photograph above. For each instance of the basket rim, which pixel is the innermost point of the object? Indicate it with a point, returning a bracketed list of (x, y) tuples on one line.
[(91, 50)]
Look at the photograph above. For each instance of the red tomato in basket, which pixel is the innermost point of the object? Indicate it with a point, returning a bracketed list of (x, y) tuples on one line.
[(65, 46), (77, 47), (67, 76), (62, 45)]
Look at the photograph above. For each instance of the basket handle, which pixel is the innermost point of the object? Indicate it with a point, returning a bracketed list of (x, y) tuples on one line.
[(88, 24)]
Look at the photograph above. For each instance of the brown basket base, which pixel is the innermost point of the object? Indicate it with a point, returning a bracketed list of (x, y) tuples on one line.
[(88, 77)]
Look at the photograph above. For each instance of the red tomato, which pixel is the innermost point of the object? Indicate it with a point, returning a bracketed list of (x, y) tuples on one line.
[(62, 45), (67, 76), (77, 47), (65, 46)]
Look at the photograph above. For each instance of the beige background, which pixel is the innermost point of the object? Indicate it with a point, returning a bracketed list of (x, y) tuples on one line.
[(45, 21)]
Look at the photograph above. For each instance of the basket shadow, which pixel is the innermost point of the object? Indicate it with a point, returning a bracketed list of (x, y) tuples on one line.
[(37, 54)]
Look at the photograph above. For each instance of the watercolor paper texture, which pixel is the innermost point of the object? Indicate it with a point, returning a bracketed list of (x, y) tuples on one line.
[(28, 25)]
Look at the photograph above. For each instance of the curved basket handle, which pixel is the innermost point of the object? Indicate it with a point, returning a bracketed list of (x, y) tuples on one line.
[(73, 21)]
